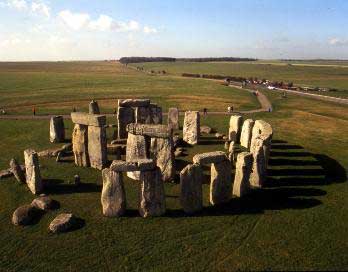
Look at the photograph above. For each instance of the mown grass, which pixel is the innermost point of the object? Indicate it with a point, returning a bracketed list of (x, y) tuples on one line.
[(310, 75), (298, 222)]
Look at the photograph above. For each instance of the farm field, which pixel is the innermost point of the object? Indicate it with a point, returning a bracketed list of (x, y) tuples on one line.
[(304, 74), (298, 222)]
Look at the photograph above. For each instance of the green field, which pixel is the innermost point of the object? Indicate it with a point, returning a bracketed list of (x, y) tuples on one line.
[(298, 222), (302, 74)]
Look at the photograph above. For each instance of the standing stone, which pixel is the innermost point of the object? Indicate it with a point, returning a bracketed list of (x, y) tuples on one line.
[(142, 115), (221, 182), (191, 197), (247, 129), (232, 152), (57, 130), (258, 174), (113, 197), (32, 169), (152, 197), (162, 151), (236, 122), (17, 171), (80, 145), (264, 131), (173, 118), (137, 148), (191, 128), (94, 107), (125, 116), (156, 114), (243, 170), (97, 147)]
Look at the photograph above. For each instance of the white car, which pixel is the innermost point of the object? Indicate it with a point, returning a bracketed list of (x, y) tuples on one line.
[(271, 88)]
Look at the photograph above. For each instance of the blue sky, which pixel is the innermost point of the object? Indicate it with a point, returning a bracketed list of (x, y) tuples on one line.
[(109, 29)]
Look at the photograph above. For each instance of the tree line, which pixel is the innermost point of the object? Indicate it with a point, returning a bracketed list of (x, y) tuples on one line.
[(126, 60)]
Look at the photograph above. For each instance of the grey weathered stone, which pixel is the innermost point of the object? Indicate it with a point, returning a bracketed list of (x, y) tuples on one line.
[(139, 165), (80, 145), (236, 122), (246, 134), (133, 103), (5, 174), (117, 149), (97, 147), (219, 135), (264, 131), (191, 130), (125, 116), (94, 107), (87, 119), (156, 114), (244, 164), (143, 115), (59, 156), (173, 118), (63, 223), (57, 130), (210, 157), (162, 151), (221, 182), (258, 174), (113, 197), (206, 130), (152, 197), (227, 145), (137, 148), (24, 215), (154, 131), (191, 196), (32, 169), (17, 171), (178, 153), (120, 141), (43, 203), (232, 152)]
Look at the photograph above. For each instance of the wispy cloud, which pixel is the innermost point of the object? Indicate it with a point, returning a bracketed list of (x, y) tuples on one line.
[(338, 42), (36, 6)]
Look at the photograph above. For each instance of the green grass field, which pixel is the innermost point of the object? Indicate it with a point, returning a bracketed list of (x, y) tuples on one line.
[(298, 222), (303, 74)]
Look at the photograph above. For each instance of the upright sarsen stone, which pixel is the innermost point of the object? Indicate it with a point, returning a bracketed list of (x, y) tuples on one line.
[(125, 116), (246, 134), (234, 131), (191, 130), (113, 197), (137, 148), (258, 174), (152, 197), (243, 170), (80, 145), (142, 115), (221, 182), (97, 147), (191, 197), (57, 130), (156, 114), (94, 107), (32, 170), (173, 118)]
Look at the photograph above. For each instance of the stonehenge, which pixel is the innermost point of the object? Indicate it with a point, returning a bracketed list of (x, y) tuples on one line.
[(17, 171), (32, 170), (94, 107), (246, 134), (241, 184), (191, 129), (173, 118), (235, 127), (57, 129)]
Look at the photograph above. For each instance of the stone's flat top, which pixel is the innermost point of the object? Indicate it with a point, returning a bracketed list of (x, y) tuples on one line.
[(87, 119), (210, 157), (157, 131), (266, 128), (192, 112), (139, 165), (57, 117), (134, 102)]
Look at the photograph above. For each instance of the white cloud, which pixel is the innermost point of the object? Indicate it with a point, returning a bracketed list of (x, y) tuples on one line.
[(14, 41), (338, 42), (103, 23), (149, 30), (75, 21), (40, 8), (36, 6), (16, 4), (126, 26)]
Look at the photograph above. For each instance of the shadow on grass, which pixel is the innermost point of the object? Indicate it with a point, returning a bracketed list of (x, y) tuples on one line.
[(58, 187)]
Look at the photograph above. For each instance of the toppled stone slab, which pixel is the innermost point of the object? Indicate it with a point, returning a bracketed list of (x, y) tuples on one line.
[(243, 170), (80, 145), (97, 147), (57, 130), (133, 103), (221, 182), (5, 174), (191, 129), (62, 223), (32, 169), (17, 171), (191, 196), (44, 203), (206, 130), (210, 157), (154, 131), (94, 107), (24, 215), (152, 197), (87, 119), (129, 166), (246, 134), (173, 118), (113, 197), (236, 122)]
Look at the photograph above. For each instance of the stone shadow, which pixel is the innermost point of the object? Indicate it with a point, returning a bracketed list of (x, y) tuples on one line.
[(58, 187)]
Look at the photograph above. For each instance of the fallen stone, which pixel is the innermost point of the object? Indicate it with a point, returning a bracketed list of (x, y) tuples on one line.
[(236, 122), (133, 103), (17, 171), (80, 145), (206, 130), (32, 169), (125, 116), (219, 135), (243, 170), (246, 134), (57, 130), (221, 182), (139, 165), (152, 197), (97, 147), (44, 203), (60, 156), (154, 131), (49, 153), (191, 130), (24, 215), (67, 147), (94, 107), (5, 174), (62, 223), (173, 118), (210, 157), (87, 119), (113, 197), (191, 197)]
